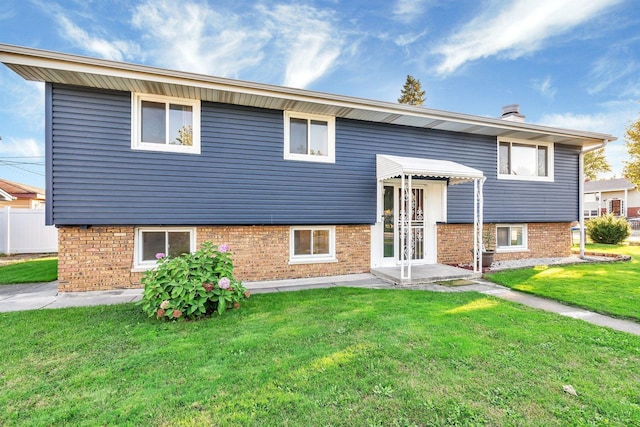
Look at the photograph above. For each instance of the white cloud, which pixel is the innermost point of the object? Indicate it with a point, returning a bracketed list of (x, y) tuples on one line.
[(116, 50), (545, 87), (193, 37), (7, 14), (599, 122), (404, 40), (513, 29), (408, 10), (22, 100), (20, 147), (631, 89), (303, 42), (614, 118), (614, 67), (312, 44)]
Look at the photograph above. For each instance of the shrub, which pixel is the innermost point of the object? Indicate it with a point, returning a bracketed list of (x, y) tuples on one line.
[(192, 285), (608, 229)]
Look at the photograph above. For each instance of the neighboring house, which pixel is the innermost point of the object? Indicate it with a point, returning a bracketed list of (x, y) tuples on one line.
[(5, 197), (615, 196), (19, 195), (142, 160)]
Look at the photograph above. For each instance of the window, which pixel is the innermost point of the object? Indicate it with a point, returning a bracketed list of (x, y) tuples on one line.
[(161, 123), (150, 242), (309, 137), (312, 244), (524, 160), (511, 238)]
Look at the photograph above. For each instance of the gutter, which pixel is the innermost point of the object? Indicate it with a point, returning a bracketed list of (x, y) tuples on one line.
[(581, 191)]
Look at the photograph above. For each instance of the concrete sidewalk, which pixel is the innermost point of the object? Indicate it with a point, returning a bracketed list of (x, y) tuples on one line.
[(45, 295)]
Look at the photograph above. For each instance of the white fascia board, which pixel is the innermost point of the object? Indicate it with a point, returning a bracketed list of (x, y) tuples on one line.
[(81, 64)]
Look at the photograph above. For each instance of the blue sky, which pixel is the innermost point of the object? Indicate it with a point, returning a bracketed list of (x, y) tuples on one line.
[(568, 63)]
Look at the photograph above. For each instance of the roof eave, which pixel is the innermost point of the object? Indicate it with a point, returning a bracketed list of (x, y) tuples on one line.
[(40, 65)]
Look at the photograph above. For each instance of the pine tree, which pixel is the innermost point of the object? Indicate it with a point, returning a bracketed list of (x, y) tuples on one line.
[(412, 92), (595, 162), (632, 167)]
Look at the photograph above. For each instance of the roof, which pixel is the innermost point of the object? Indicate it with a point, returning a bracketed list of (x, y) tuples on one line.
[(394, 166), (46, 66), (4, 196), (21, 191), (616, 184)]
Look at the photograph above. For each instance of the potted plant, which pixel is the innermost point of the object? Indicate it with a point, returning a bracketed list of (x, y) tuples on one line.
[(488, 251)]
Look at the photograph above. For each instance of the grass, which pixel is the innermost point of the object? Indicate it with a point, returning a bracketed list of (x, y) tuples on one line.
[(610, 288), (326, 357), (34, 271)]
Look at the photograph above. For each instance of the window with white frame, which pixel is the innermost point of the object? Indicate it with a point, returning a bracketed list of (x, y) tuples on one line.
[(525, 160), (309, 137), (153, 243), (161, 123), (512, 237), (312, 244)]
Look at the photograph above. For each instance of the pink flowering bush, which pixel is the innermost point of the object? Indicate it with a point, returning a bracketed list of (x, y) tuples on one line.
[(193, 285)]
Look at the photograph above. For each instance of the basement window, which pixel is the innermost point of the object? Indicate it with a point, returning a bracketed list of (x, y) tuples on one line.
[(152, 243), (312, 245)]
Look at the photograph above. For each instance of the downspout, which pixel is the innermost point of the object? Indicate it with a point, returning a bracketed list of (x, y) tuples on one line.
[(581, 192)]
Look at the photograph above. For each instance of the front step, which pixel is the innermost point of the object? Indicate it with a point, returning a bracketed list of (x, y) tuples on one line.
[(422, 274)]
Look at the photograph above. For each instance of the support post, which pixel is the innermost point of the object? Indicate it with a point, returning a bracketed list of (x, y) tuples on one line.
[(581, 202), (6, 226), (402, 228), (480, 220), (410, 235)]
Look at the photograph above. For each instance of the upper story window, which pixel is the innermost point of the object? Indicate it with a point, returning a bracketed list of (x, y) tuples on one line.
[(309, 137), (161, 123), (525, 160)]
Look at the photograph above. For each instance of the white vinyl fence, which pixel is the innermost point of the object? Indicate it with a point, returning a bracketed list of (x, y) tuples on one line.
[(22, 231)]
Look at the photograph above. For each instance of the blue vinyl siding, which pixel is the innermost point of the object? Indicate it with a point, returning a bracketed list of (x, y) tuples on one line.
[(242, 178)]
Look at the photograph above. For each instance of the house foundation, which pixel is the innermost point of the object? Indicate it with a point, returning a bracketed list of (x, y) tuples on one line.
[(544, 240), (102, 257)]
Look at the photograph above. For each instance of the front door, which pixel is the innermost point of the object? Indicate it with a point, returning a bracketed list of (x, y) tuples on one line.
[(615, 207), (427, 209)]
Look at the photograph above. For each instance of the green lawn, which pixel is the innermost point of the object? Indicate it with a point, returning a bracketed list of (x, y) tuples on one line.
[(35, 271), (610, 288), (327, 357)]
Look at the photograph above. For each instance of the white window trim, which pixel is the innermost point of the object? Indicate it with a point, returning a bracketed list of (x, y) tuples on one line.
[(136, 128), (525, 240), (550, 160), (313, 259), (138, 264), (331, 136)]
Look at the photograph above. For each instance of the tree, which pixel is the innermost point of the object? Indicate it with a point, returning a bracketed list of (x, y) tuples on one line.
[(412, 92), (632, 167), (595, 162)]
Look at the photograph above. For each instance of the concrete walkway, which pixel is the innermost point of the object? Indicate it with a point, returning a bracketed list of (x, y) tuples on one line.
[(45, 295)]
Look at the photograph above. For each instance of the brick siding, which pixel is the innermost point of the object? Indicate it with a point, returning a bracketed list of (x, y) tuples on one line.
[(455, 242), (101, 258)]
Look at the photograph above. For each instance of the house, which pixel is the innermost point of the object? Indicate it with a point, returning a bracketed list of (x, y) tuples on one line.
[(19, 195), (615, 196), (141, 160)]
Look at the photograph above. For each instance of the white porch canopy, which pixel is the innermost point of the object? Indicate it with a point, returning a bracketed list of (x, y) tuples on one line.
[(455, 173)]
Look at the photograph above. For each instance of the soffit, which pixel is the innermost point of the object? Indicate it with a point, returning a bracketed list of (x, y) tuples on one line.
[(46, 66)]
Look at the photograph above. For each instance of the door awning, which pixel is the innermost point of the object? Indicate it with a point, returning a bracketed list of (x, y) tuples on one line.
[(395, 166)]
